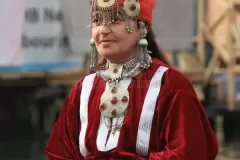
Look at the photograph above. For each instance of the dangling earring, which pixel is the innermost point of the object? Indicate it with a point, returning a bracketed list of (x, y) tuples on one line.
[(94, 55), (143, 43)]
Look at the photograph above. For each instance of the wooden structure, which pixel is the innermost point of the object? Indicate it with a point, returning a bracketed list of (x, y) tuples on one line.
[(217, 24), (65, 78)]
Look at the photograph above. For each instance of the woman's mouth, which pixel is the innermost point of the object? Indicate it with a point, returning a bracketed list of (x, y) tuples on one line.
[(106, 42)]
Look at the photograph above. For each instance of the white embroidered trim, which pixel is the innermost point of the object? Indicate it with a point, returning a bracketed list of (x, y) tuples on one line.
[(145, 124), (87, 85)]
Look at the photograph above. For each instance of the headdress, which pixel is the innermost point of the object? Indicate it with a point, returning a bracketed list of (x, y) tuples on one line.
[(131, 9)]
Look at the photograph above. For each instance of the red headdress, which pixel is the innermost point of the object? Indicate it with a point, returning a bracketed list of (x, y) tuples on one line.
[(133, 9), (146, 10)]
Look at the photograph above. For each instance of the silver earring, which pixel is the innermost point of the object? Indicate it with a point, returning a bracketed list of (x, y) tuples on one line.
[(143, 43), (94, 55)]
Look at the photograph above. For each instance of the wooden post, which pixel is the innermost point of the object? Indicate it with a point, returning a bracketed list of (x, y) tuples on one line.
[(231, 65), (200, 38)]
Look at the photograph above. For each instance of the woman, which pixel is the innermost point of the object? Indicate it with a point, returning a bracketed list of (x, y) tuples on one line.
[(133, 106)]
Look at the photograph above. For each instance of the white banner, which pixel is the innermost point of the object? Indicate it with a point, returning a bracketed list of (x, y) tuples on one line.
[(47, 22), (43, 31), (11, 26), (43, 37)]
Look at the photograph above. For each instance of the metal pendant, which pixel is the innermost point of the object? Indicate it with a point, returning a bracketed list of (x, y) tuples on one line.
[(131, 8), (114, 101), (106, 4)]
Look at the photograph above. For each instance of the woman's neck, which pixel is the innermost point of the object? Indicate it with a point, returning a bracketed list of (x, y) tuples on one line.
[(123, 60)]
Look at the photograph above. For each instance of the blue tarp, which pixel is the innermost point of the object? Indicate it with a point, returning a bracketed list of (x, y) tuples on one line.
[(41, 67), (224, 79)]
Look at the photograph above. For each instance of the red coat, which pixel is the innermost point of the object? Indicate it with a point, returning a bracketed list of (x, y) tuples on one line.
[(180, 129)]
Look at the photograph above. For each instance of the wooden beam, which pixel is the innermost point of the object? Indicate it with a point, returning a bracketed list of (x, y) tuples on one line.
[(224, 54), (200, 38), (220, 19), (9, 76), (230, 68), (57, 74), (65, 77), (209, 70)]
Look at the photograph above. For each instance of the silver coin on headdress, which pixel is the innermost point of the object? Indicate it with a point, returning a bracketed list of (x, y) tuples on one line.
[(131, 8), (106, 4)]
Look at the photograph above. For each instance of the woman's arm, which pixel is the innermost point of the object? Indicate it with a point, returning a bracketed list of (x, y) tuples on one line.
[(188, 134)]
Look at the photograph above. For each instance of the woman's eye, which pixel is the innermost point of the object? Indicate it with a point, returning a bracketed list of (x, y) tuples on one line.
[(95, 22), (117, 20)]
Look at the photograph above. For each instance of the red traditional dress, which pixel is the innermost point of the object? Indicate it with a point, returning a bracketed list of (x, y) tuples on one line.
[(164, 120)]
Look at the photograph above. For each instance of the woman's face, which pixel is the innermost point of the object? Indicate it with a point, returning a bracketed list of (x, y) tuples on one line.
[(114, 43)]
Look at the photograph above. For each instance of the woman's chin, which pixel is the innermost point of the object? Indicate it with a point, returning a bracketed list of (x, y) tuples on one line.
[(108, 54)]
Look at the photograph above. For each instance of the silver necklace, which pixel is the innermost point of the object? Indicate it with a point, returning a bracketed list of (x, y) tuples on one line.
[(116, 72)]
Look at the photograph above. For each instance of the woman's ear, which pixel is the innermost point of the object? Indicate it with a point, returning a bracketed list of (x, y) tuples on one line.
[(143, 28), (143, 32)]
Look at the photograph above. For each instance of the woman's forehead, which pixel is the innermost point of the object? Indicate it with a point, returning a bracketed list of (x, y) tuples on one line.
[(113, 11), (110, 15)]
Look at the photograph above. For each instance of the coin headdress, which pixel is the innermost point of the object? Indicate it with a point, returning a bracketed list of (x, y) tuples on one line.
[(127, 9)]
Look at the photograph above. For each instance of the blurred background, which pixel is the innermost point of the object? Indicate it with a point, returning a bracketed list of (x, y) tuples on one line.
[(44, 50)]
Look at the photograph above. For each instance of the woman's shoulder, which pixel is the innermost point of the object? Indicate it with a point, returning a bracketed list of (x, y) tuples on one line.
[(174, 80), (76, 89), (178, 80)]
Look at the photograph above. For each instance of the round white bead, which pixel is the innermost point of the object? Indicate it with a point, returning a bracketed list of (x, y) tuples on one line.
[(143, 42), (92, 41)]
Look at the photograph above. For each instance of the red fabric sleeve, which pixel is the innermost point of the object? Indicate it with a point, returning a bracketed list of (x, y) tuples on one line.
[(62, 143), (188, 134)]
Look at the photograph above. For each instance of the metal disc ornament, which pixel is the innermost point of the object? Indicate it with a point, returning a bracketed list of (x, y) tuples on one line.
[(105, 4), (131, 8)]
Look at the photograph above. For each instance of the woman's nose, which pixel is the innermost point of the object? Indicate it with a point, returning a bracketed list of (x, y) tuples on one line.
[(105, 29)]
